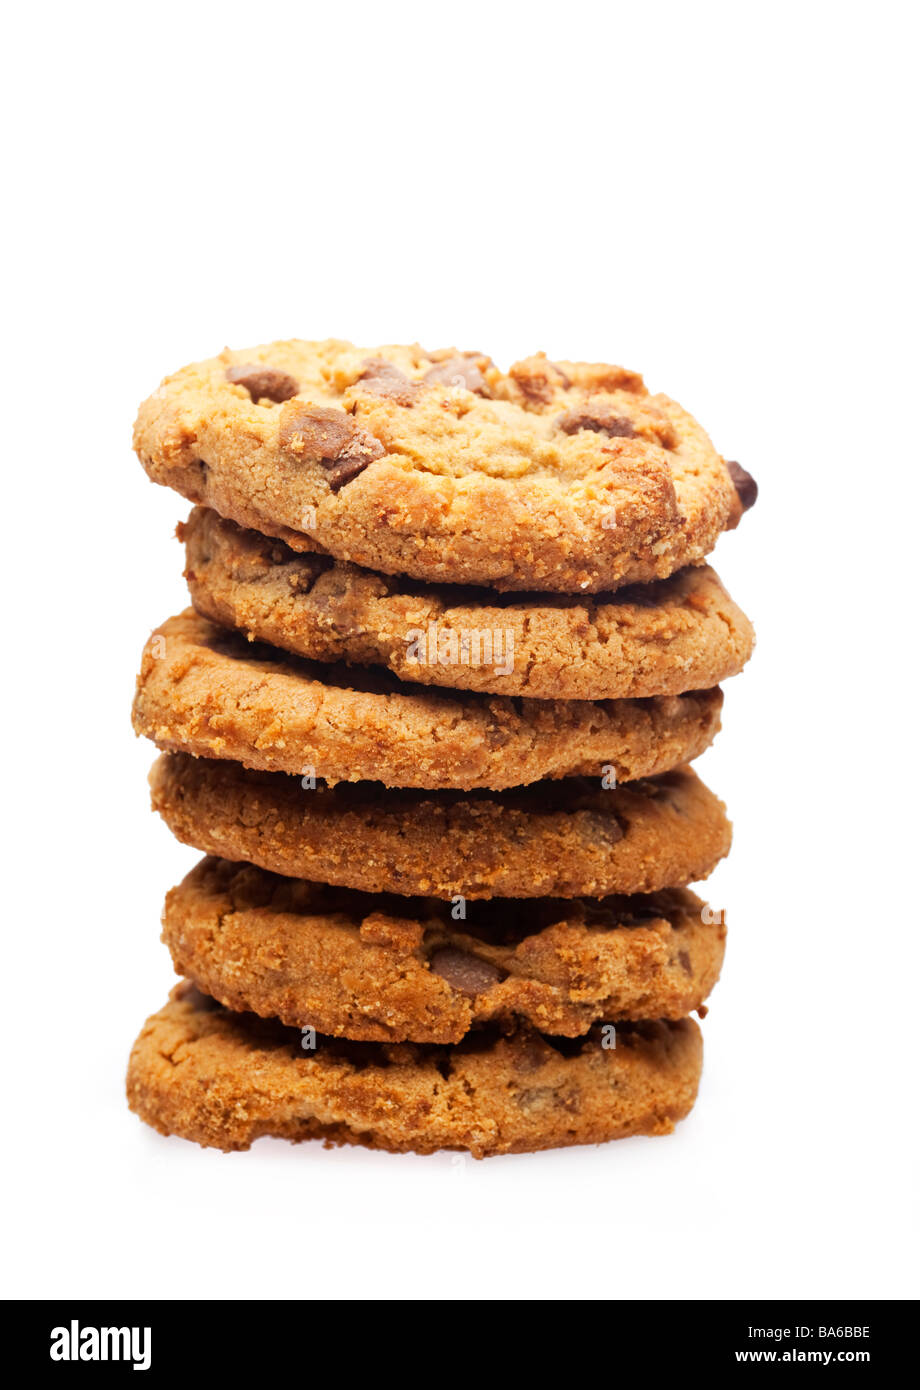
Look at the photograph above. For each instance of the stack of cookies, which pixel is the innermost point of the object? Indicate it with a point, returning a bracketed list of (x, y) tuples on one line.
[(452, 646)]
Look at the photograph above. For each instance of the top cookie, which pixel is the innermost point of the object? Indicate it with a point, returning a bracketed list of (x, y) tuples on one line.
[(561, 476)]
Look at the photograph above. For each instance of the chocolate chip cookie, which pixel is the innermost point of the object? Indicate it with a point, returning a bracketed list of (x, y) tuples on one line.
[(209, 692), (379, 968), (224, 1080), (560, 476), (569, 838), (682, 633)]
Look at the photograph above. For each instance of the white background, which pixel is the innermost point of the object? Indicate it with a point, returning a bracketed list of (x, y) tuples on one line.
[(716, 195)]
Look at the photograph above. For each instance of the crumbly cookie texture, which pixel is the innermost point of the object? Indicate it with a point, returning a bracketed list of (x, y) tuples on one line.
[(682, 633), (207, 691), (224, 1080), (378, 968), (569, 838), (563, 476)]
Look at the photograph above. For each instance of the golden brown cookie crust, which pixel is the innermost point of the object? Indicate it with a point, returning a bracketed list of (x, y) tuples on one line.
[(206, 691), (224, 1080), (570, 838), (562, 476), (682, 633), (378, 968)]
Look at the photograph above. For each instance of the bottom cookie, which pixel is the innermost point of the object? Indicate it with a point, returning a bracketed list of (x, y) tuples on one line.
[(224, 1079)]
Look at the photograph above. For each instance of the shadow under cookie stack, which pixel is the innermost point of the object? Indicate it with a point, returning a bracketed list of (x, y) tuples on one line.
[(452, 648)]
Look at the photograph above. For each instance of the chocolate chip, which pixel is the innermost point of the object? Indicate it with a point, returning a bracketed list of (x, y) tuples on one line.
[(383, 379), (599, 418), (529, 1051), (263, 383), (345, 469), (461, 371), (684, 958), (315, 431), (464, 972), (321, 434), (745, 486), (304, 577), (538, 378)]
